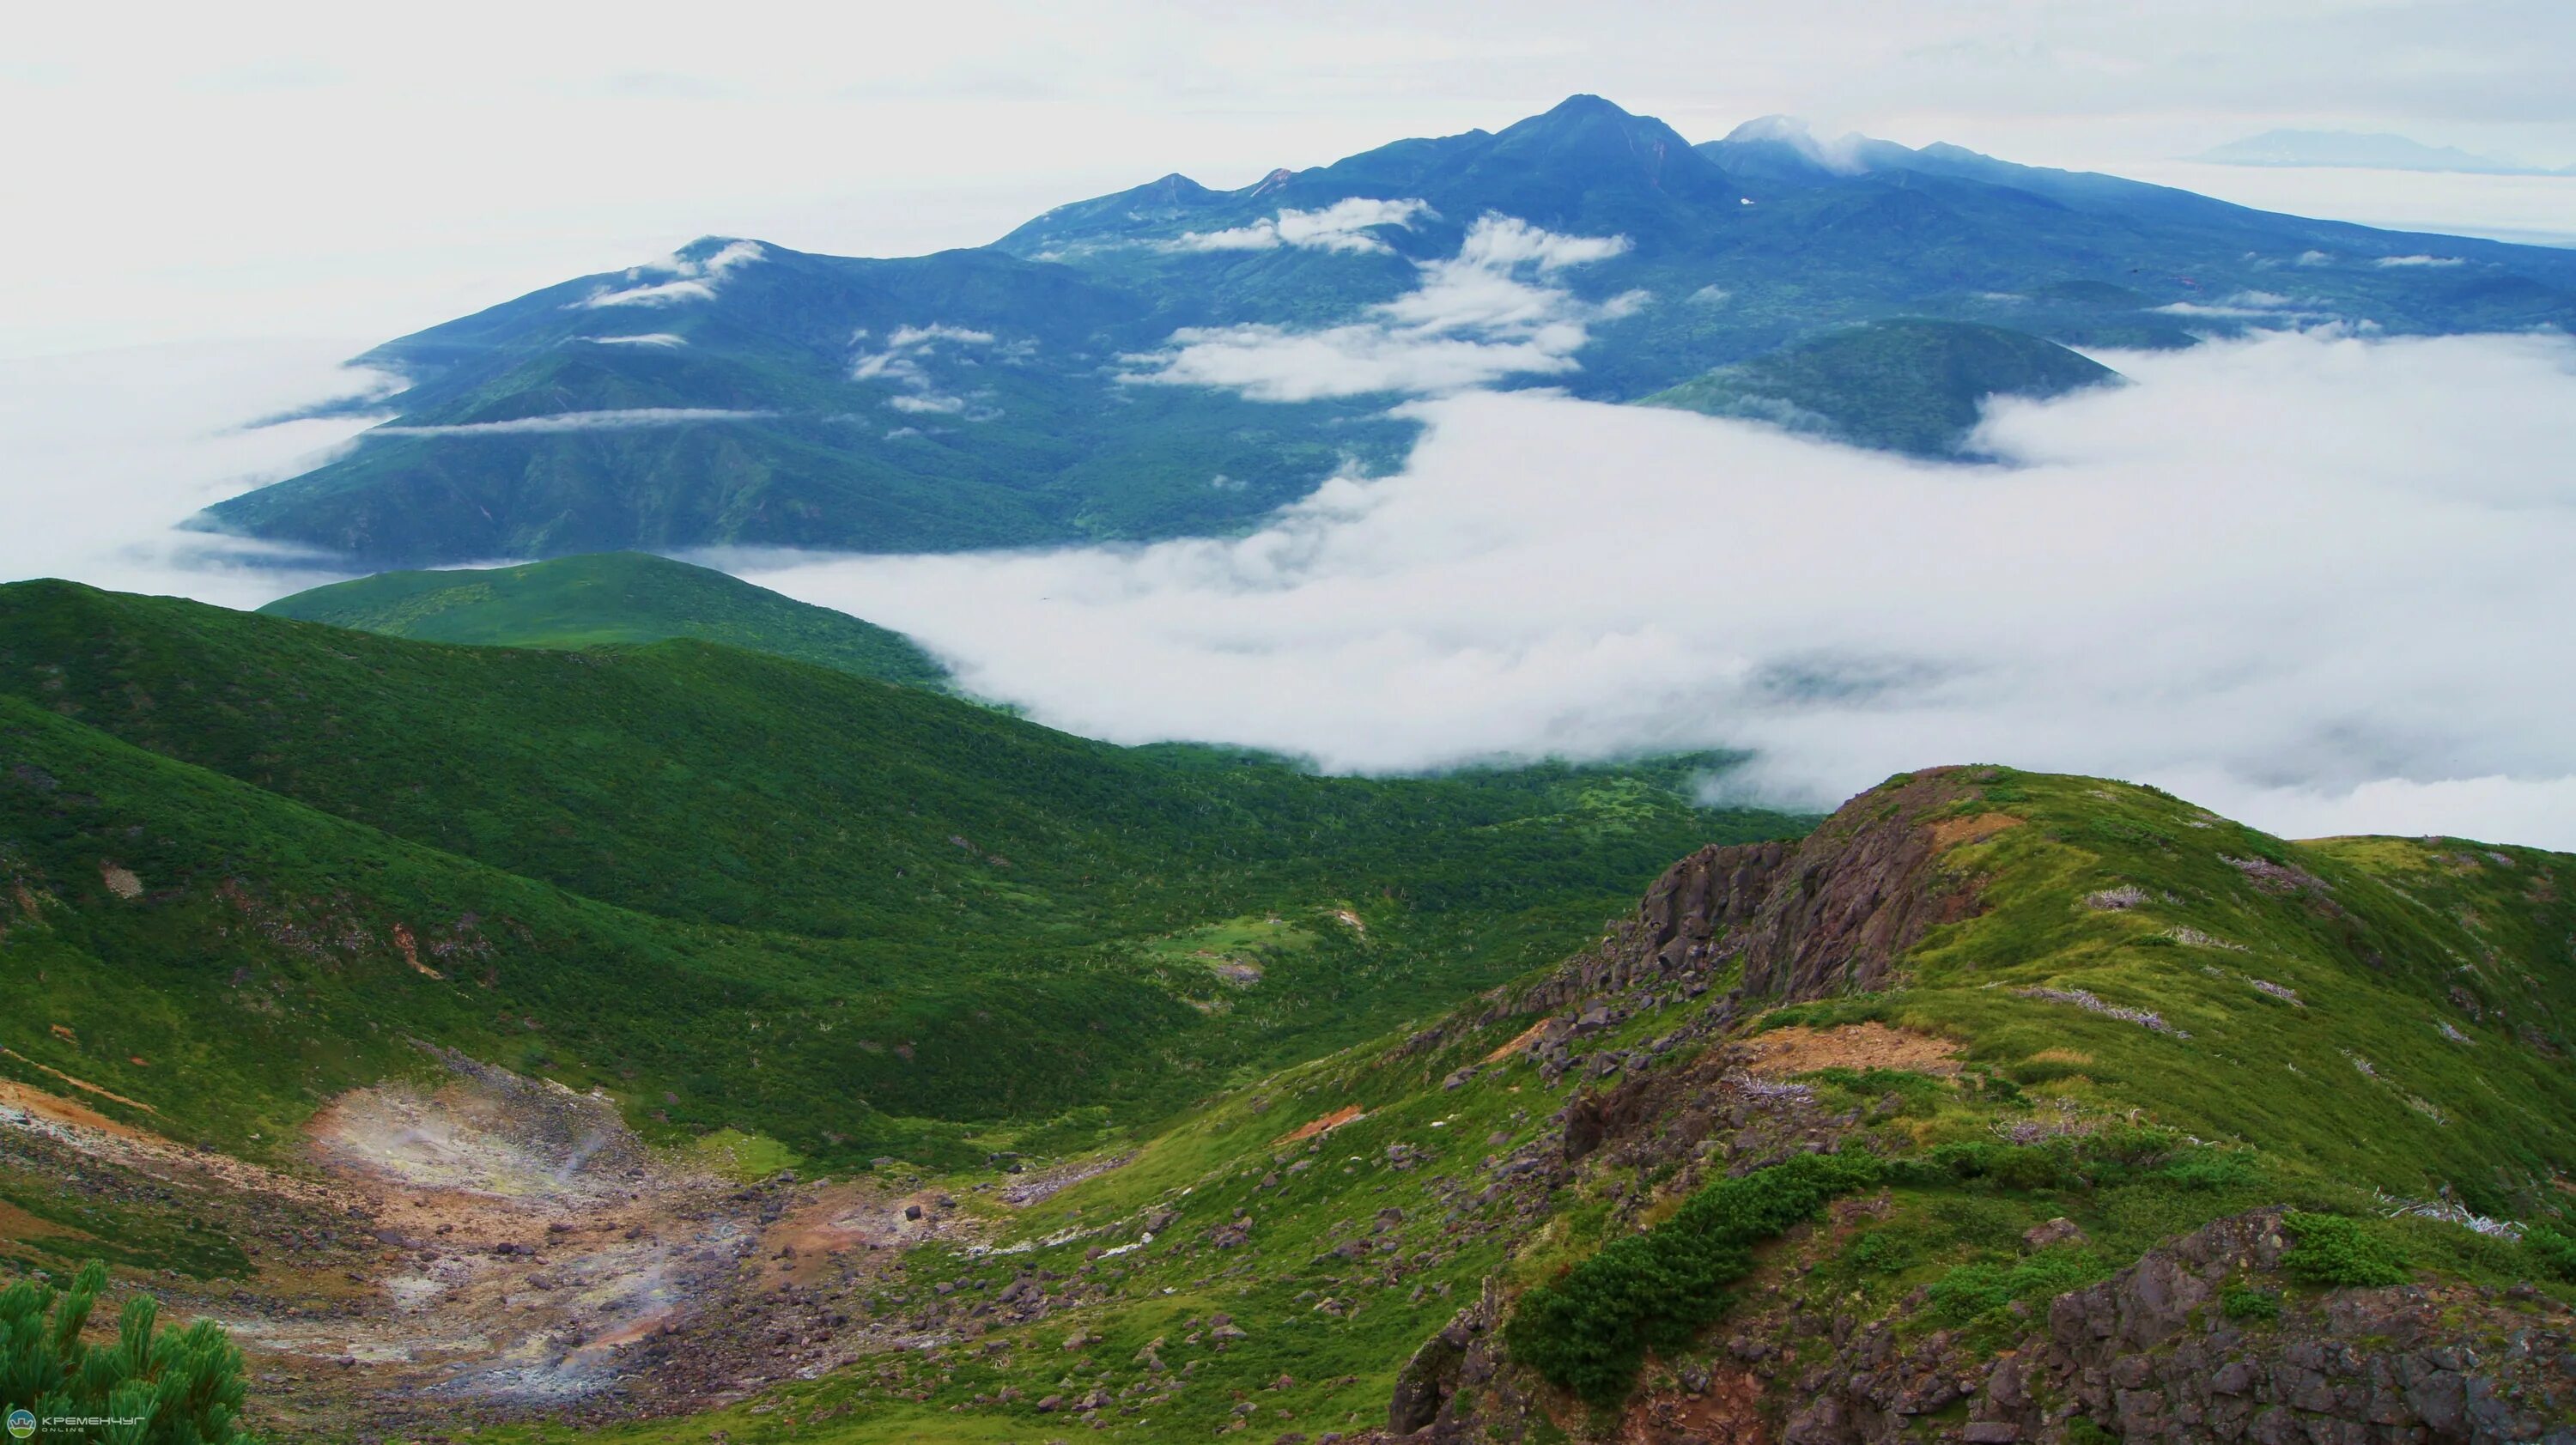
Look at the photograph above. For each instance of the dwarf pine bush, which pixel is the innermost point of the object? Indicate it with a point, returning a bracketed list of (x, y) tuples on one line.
[(2337, 1252), (1589, 1328), (183, 1388)]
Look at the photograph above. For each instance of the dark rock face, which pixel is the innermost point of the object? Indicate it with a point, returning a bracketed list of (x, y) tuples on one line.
[(1831, 914)]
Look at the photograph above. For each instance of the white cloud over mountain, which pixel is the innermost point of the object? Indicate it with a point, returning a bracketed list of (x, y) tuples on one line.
[(692, 280), (615, 419), (1341, 226), (904, 358), (1483, 315), (2313, 579)]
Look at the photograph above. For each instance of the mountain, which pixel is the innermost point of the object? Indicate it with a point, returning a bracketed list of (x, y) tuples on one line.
[(610, 598), (634, 866), (2378, 151), (1906, 386), (2013, 1106), (1175, 359)]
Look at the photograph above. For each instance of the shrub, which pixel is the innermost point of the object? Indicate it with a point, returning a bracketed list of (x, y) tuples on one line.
[(2551, 1253), (1881, 1252), (184, 1388), (1974, 1290), (2208, 1170), (1588, 1329), (2244, 1302), (2334, 1251), (2082, 1431)]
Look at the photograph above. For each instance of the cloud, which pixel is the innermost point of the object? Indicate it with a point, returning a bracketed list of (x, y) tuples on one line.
[(904, 360), (1473, 319), (1342, 226), (2417, 261), (649, 338), (108, 451), (695, 280), (946, 405), (2309, 578), (623, 419)]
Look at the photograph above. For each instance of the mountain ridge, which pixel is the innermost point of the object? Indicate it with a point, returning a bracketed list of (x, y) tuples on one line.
[(1111, 370)]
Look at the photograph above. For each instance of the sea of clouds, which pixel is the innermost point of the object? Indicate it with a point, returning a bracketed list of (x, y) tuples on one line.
[(2311, 579)]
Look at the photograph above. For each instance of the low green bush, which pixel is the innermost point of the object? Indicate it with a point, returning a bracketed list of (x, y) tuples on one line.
[(2244, 1303), (2332, 1250), (1588, 1329), (2551, 1253), (1973, 1291)]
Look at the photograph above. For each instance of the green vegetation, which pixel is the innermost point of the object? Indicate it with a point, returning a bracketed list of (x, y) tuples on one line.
[(2394, 1011), (734, 890), (157, 1389), (792, 918), (1588, 1330), (2331, 1250), (606, 598), (2552, 1252), (1909, 386), (2248, 1305)]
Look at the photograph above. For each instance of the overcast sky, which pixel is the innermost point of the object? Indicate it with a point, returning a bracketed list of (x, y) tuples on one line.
[(342, 171)]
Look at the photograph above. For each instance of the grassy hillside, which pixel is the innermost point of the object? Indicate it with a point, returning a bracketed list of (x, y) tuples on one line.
[(1909, 386), (610, 597), (733, 889), (2337, 1028)]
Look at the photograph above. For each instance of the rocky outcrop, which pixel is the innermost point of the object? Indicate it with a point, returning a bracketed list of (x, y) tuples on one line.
[(1830, 914), (2151, 1355)]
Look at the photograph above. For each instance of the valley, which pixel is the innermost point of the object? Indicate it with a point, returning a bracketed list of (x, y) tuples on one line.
[(593, 1154), (541, 986)]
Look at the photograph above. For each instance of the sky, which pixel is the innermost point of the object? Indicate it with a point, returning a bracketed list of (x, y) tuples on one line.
[(2315, 580), (351, 172)]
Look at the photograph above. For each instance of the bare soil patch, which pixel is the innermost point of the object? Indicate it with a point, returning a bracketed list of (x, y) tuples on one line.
[(1799, 1050), (1520, 1041), (1316, 1127), (1974, 828)]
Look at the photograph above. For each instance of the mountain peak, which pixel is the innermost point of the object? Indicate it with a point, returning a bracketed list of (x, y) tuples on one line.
[(1586, 104)]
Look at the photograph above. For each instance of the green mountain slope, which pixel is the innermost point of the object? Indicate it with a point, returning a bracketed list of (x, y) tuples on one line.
[(649, 863), (613, 597), (1906, 386), (2094, 1112)]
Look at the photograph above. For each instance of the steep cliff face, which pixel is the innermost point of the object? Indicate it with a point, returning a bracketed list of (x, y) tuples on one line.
[(1829, 914)]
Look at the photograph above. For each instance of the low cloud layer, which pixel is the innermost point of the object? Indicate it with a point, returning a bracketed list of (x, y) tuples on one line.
[(908, 356), (107, 452), (613, 419), (2314, 580), (1488, 313), (1342, 226)]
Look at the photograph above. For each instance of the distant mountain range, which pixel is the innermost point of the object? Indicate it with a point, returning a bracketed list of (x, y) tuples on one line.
[(1175, 360), (2376, 151)]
